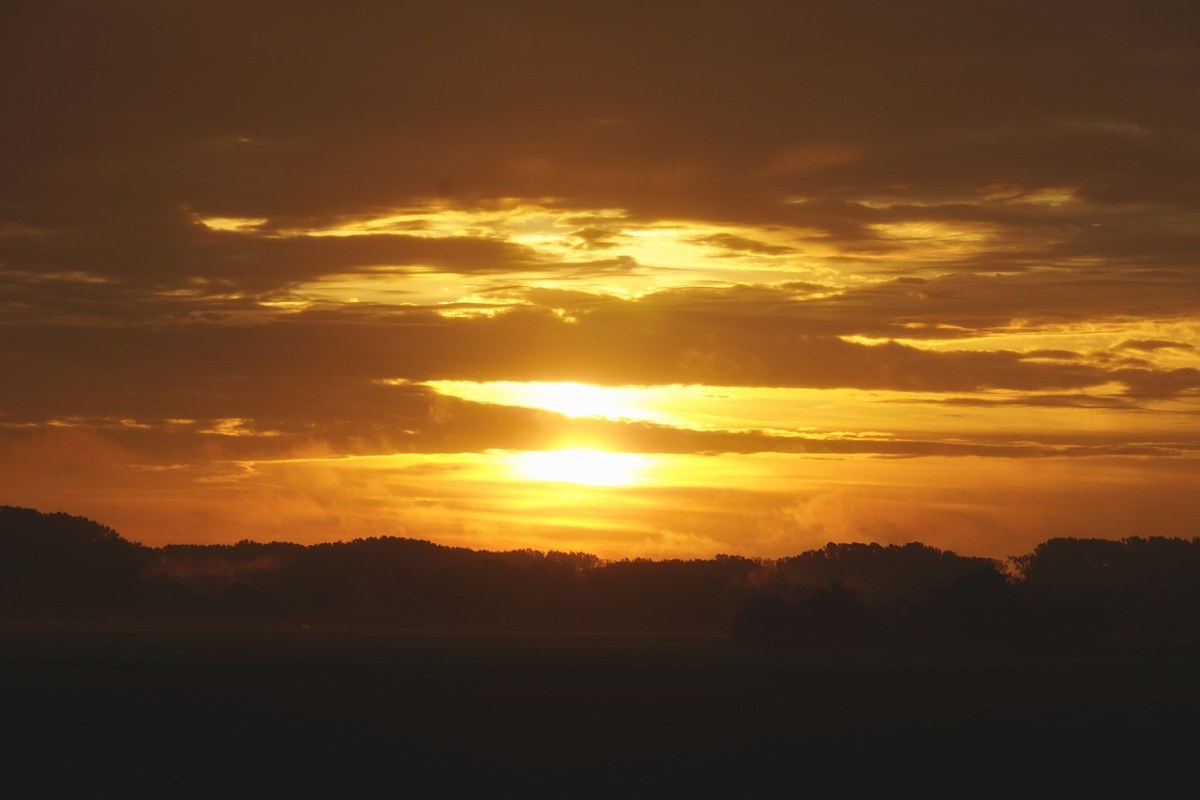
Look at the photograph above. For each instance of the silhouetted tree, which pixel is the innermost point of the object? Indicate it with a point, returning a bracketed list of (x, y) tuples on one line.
[(57, 564), (980, 610), (1131, 590), (1067, 591)]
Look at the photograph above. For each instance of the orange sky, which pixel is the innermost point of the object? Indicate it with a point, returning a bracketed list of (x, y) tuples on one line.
[(638, 279)]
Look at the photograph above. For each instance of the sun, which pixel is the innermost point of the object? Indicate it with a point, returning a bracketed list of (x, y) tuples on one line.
[(587, 467)]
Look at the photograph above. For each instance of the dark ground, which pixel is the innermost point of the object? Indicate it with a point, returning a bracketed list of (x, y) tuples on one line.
[(218, 713)]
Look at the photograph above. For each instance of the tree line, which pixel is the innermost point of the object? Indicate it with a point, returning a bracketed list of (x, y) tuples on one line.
[(1067, 592)]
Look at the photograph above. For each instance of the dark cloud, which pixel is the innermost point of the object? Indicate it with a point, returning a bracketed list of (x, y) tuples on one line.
[(1042, 401), (147, 257), (1146, 383), (946, 307), (325, 366), (268, 109), (742, 244), (1153, 345), (416, 420)]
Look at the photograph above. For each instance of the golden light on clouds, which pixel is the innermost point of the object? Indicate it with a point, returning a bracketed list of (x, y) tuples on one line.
[(603, 250), (569, 398), (232, 224)]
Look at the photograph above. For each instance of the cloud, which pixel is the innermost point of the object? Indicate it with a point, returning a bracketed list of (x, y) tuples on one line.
[(1153, 345), (191, 255), (324, 367), (744, 245), (944, 307)]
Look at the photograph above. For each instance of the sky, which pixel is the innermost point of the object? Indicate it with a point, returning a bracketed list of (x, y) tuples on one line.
[(653, 279)]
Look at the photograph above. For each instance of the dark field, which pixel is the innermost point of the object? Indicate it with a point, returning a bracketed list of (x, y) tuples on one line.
[(219, 713)]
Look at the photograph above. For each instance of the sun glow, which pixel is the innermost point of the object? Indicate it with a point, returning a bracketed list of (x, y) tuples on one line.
[(587, 467)]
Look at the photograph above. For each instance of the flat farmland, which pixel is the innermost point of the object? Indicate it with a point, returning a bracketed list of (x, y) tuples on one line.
[(138, 711)]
